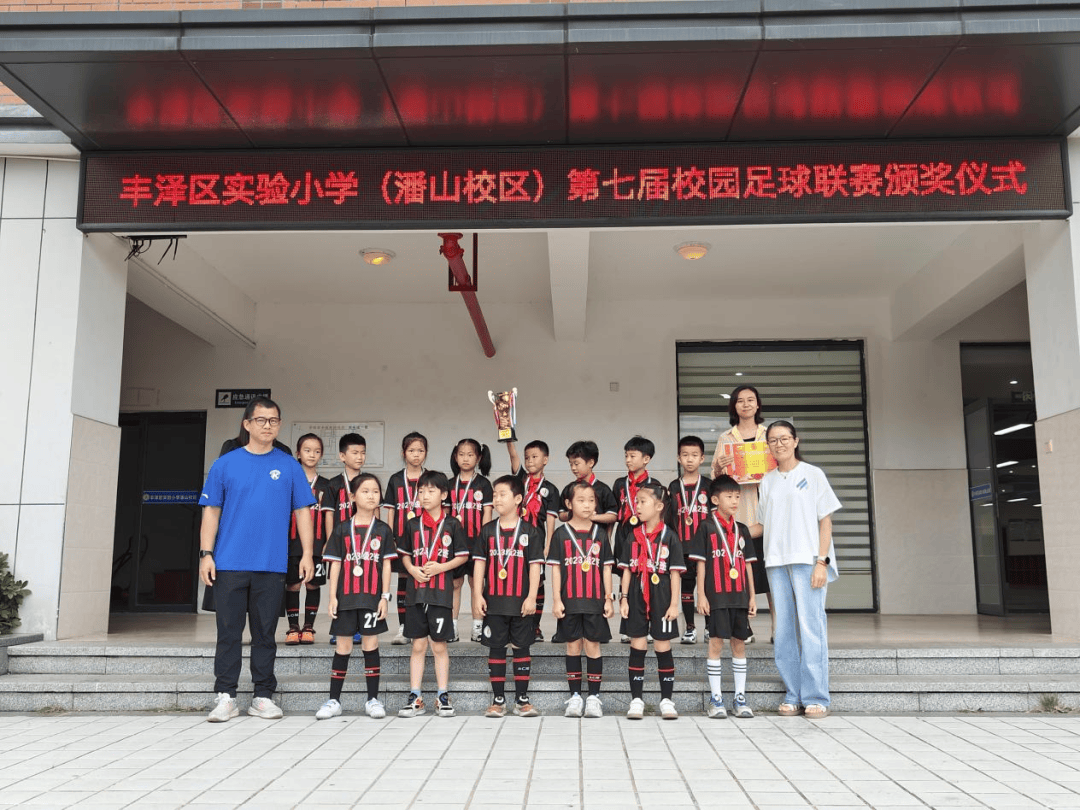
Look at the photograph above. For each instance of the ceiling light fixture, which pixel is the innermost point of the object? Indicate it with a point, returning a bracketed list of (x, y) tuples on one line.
[(377, 257), (1007, 464), (1012, 428), (1014, 382), (1015, 500), (692, 251)]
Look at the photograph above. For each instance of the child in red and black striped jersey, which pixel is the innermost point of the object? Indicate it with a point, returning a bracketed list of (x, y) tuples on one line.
[(359, 553), (507, 561), (723, 552), (470, 502), (651, 562), (581, 560), (689, 505), (540, 507), (637, 453), (309, 451), (402, 504), (431, 546)]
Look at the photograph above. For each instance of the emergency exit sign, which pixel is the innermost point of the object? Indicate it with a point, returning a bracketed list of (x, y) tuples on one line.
[(238, 397)]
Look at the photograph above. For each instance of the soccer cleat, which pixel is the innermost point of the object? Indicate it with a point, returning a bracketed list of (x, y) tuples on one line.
[(265, 708), (624, 639), (307, 635), (636, 710), (689, 637), (358, 638), (453, 639), (668, 710), (443, 706), (574, 706), (375, 710), (496, 710), (717, 709), (224, 708), (557, 639), (400, 637), (331, 708), (333, 640), (740, 708), (593, 706), (522, 708), (292, 635), (414, 706), (477, 629)]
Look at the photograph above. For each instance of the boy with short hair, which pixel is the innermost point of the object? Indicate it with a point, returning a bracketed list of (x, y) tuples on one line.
[(507, 560), (583, 456), (539, 506), (581, 560), (638, 452), (352, 453), (723, 551), (432, 546), (359, 553), (651, 562), (689, 505)]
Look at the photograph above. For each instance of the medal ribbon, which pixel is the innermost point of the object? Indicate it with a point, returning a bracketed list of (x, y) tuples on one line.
[(631, 487), (364, 545), (724, 537), (503, 557), (459, 507), (646, 555), (577, 546), (690, 505), (429, 552)]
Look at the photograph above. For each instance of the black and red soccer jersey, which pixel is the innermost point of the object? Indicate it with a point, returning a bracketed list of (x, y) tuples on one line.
[(320, 488), (687, 501), (650, 558), (467, 501), (508, 554), (724, 548), (625, 491), (605, 498), (580, 557), (341, 505), (427, 541), (541, 499), (401, 496), (361, 551)]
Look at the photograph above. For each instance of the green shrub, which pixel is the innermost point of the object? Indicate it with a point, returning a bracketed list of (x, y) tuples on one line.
[(12, 592)]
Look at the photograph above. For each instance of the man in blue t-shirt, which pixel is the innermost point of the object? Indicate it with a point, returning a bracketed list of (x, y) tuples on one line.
[(249, 500)]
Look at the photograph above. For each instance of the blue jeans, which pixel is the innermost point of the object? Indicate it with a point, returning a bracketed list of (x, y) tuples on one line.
[(802, 634)]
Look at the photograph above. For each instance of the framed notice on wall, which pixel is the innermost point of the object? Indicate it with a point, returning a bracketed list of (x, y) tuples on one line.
[(374, 434)]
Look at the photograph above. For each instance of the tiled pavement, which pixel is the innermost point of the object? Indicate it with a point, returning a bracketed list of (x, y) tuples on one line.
[(177, 760)]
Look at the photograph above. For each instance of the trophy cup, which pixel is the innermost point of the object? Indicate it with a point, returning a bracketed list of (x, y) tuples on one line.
[(505, 403)]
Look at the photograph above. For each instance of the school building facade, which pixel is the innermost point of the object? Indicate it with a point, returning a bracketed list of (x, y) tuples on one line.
[(864, 211)]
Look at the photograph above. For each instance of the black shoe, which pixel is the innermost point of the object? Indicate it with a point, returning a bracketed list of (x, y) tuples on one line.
[(557, 639)]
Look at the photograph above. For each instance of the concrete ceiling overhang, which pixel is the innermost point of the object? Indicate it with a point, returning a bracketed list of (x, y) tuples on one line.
[(577, 73)]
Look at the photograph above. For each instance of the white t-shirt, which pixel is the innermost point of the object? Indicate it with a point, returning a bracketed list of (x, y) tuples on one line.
[(790, 505)]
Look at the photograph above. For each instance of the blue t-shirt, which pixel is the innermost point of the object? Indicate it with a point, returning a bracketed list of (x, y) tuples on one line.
[(257, 495)]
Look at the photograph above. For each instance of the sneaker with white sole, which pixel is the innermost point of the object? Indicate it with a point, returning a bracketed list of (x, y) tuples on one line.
[(523, 708), (706, 634), (477, 629), (414, 706), (749, 640), (689, 637), (575, 706), (497, 709), (636, 710), (717, 710), (593, 706), (224, 708), (740, 708), (443, 706), (624, 639), (399, 639), (331, 708), (668, 710), (265, 708), (375, 710)]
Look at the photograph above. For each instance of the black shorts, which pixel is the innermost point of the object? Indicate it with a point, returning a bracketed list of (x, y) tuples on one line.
[(500, 631), (729, 623), (351, 622), (589, 626), (292, 573), (638, 625), (429, 621), (761, 580)]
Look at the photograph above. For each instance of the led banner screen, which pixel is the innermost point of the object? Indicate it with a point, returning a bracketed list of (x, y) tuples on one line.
[(572, 187)]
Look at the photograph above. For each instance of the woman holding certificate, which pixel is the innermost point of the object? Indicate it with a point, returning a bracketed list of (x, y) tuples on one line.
[(743, 453)]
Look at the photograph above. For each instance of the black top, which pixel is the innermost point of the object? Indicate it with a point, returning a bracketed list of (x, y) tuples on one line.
[(521, 546), (424, 542), (477, 494), (319, 488), (581, 590), (626, 506), (347, 545), (644, 556), (397, 497), (714, 545), (605, 498), (541, 499), (696, 505)]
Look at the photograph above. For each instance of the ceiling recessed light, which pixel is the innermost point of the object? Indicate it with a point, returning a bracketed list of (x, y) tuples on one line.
[(738, 373), (1007, 464), (376, 256), (692, 251), (1015, 500), (1012, 428), (726, 396), (1014, 382)]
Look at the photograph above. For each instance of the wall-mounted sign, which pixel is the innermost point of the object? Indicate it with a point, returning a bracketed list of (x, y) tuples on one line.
[(374, 434), (169, 497), (238, 397), (981, 491), (574, 187)]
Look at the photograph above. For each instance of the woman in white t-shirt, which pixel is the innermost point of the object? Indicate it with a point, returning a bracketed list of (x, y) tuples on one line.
[(795, 506)]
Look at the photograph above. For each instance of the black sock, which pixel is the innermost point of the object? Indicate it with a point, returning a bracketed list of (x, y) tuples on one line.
[(688, 605), (338, 670), (497, 672), (637, 672), (522, 671), (311, 606), (573, 673), (292, 608), (595, 668), (372, 670), (665, 667)]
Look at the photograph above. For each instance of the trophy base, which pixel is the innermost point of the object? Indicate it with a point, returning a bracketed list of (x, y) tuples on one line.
[(507, 435)]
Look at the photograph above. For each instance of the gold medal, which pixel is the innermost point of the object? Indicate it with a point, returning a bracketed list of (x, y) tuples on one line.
[(358, 570), (585, 566), (524, 512), (502, 574), (655, 579), (689, 520), (411, 514), (734, 574), (633, 520)]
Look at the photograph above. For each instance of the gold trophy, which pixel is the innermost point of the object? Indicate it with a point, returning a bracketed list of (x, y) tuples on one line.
[(505, 403)]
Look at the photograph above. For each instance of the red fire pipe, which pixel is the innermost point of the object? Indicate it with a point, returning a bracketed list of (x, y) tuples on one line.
[(453, 253)]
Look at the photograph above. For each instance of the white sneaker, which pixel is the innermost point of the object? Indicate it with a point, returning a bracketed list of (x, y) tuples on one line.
[(399, 639), (593, 706), (224, 708), (624, 639), (717, 710), (668, 710), (375, 710), (749, 640), (636, 710), (706, 634), (329, 709), (689, 637), (740, 707), (264, 708), (649, 638), (574, 706), (477, 630)]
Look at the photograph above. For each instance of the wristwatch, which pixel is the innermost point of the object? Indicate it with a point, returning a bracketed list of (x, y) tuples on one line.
[(825, 560), (205, 553), (386, 596)]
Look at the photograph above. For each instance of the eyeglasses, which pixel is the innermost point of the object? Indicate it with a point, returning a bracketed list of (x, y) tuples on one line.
[(778, 440), (263, 421)]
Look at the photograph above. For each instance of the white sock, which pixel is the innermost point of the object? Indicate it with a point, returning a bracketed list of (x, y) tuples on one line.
[(738, 668), (455, 627), (477, 624), (714, 668)]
